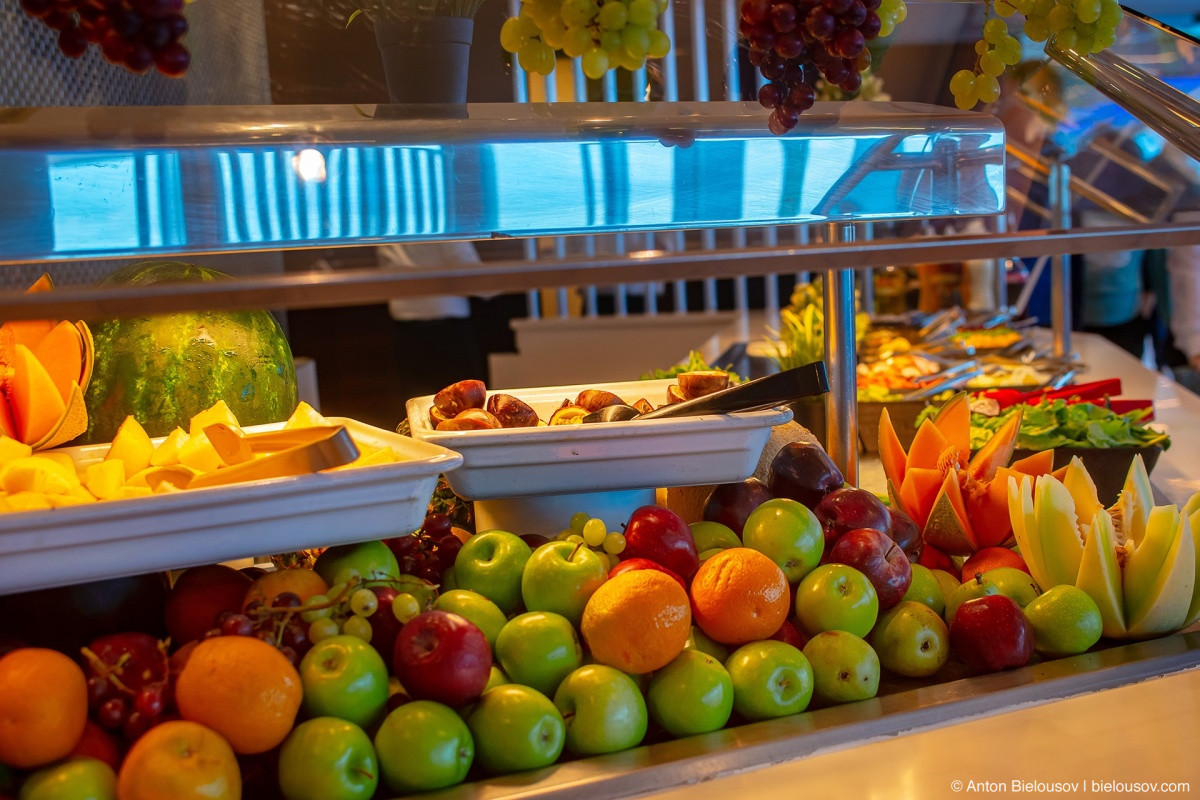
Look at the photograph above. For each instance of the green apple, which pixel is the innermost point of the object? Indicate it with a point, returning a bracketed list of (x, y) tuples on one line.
[(496, 678), (345, 677), (926, 588), (327, 758), (449, 582), (699, 640), (911, 639), (693, 694), (491, 563), (539, 649), (705, 555), (603, 709), (976, 587), (1015, 584), (370, 561), (424, 745), (560, 577), (713, 535), (516, 728), (770, 679), (474, 607), (76, 779), (948, 581), (788, 533), (845, 668), (836, 597), (1065, 621)]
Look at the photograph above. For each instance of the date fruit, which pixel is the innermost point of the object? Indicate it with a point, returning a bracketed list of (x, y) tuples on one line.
[(596, 399), (511, 411), (458, 397), (701, 382), (471, 419)]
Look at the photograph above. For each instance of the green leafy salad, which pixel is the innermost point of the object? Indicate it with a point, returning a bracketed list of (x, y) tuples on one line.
[(1061, 424), (695, 363)]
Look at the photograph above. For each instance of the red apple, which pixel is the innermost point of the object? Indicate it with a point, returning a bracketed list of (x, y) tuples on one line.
[(662, 536), (98, 743), (803, 472), (644, 563), (933, 558), (849, 509), (875, 555), (730, 503), (443, 657), (991, 633), (905, 533), (788, 633), (199, 597), (990, 558)]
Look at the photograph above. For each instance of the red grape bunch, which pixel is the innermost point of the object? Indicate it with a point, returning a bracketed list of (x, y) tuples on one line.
[(136, 34), (789, 39), (130, 683)]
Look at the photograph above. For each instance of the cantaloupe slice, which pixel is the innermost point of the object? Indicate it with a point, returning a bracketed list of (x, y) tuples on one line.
[(927, 448), (1040, 463), (954, 421), (891, 452), (37, 405), (918, 492), (8, 426), (949, 526), (132, 445), (998, 450), (987, 509), (89, 354), (74, 422), (62, 353), (31, 331)]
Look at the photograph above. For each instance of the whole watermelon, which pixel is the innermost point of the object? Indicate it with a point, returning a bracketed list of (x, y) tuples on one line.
[(165, 368)]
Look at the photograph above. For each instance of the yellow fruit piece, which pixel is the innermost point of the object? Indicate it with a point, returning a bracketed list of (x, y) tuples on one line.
[(1079, 483), (218, 412), (131, 445), (1137, 483), (37, 475), (199, 454), (1158, 602), (27, 501), (1058, 532), (130, 492), (305, 416), (167, 452), (103, 478), (63, 460), (1100, 575), (371, 456), (1025, 530), (63, 500), (10, 448)]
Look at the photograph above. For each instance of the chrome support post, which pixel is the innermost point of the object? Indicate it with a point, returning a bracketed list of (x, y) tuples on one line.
[(841, 403), (1060, 276)]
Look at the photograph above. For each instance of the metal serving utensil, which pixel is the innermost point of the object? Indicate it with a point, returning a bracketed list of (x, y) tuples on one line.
[(297, 451)]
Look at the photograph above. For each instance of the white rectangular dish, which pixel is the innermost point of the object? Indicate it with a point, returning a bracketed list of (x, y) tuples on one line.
[(41, 549), (601, 457)]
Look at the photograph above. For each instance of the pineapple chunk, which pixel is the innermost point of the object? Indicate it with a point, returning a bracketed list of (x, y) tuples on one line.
[(218, 412), (10, 448), (103, 478), (129, 492), (305, 416), (198, 452), (63, 460), (167, 452), (27, 501), (131, 445), (37, 475), (370, 456)]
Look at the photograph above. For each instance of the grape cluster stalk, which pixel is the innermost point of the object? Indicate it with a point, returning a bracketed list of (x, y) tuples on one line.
[(792, 40), (603, 34), (1085, 26), (139, 35)]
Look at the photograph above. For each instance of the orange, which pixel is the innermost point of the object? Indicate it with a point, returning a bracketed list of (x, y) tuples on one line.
[(43, 706), (242, 688), (302, 581), (637, 621), (177, 760), (740, 595)]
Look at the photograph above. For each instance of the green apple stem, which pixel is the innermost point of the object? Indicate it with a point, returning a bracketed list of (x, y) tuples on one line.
[(576, 550)]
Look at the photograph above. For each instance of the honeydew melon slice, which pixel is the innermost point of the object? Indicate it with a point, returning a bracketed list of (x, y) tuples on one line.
[(1137, 482), (1057, 531), (1079, 483), (1158, 601), (1100, 576), (1193, 526)]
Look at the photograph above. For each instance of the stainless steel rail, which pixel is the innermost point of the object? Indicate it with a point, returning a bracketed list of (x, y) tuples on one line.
[(361, 287)]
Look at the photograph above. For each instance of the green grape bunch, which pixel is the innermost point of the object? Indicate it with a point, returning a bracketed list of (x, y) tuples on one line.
[(1084, 26), (603, 34)]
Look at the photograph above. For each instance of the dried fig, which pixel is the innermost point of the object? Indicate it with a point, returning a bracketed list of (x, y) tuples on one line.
[(701, 382), (472, 419), (596, 399), (458, 397), (512, 412)]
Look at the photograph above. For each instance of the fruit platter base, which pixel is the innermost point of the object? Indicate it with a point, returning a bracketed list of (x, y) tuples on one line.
[(43, 549), (903, 706), (602, 457), (544, 515)]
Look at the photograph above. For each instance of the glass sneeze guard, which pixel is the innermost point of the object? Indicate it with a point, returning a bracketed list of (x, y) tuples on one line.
[(121, 182)]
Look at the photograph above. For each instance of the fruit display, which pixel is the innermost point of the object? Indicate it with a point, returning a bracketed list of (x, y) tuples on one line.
[(135, 34), (425, 660), (164, 369), (603, 35)]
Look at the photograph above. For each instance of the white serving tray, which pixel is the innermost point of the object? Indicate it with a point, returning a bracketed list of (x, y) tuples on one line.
[(612, 456), (109, 539)]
